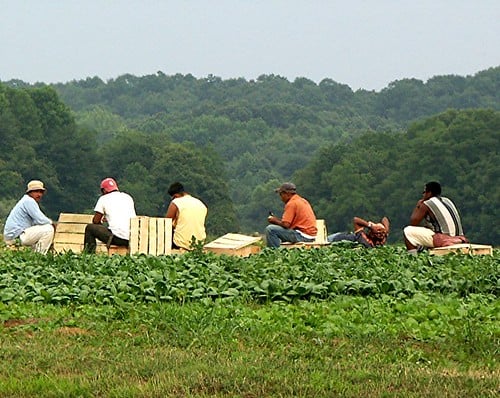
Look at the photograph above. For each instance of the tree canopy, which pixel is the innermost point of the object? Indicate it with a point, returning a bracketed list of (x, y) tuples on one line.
[(231, 142)]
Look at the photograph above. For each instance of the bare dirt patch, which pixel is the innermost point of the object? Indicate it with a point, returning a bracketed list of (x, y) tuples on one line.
[(12, 323)]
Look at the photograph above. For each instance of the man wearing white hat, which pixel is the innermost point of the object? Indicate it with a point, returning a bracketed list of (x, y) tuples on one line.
[(27, 222)]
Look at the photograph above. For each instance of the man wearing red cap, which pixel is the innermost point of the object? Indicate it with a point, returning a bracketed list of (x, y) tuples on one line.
[(117, 208), (27, 223)]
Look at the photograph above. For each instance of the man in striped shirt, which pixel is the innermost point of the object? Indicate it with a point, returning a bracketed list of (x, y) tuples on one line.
[(440, 218)]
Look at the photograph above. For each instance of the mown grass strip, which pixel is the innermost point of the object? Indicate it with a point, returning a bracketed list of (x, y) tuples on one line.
[(349, 346)]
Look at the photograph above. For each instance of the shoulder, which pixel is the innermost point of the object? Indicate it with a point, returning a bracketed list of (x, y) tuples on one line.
[(432, 200), (27, 200), (126, 195), (101, 199), (446, 200)]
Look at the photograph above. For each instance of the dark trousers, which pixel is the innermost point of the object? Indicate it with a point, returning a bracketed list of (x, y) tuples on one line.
[(104, 234)]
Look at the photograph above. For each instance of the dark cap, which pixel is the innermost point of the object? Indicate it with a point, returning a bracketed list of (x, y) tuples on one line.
[(286, 187)]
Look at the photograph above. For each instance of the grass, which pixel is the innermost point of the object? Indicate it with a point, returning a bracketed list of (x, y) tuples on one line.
[(313, 323), (348, 346)]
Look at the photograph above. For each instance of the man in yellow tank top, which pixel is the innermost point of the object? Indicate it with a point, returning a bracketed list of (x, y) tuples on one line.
[(188, 217)]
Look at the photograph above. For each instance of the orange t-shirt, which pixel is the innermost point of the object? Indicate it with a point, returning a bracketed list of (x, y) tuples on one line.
[(299, 213)]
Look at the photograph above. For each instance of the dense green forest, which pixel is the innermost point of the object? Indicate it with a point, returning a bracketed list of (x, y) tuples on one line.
[(232, 141)]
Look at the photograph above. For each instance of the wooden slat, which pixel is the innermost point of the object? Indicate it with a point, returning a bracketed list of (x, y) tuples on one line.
[(152, 238), (63, 247), (75, 218), (134, 235), (143, 235), (63, 237), (161, 236), (167, 236), (71, 228), (77, 247), (321, 236), (121, 250), (463, 248)]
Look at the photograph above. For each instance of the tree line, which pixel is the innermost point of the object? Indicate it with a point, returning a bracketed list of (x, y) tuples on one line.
[(41, 140), (233, 141)]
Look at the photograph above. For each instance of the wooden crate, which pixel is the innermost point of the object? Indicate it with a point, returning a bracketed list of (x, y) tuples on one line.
[(321, 238), (234, 245), (463, 248), (151, 235), (70, 233)]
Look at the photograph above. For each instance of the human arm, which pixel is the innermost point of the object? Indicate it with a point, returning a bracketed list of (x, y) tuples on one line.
[(172, 212), (97, 219), (276, 221), (419, 213), (360, 223), (385, 222)]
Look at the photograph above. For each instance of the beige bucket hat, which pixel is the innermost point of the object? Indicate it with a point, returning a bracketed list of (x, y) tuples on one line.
[(35, 185)]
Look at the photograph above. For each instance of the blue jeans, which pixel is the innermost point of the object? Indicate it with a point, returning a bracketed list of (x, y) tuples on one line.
[(358, 237), (340, 236), (276, 234)]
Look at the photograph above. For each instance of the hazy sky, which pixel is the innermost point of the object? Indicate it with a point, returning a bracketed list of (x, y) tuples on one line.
[(365, 44)]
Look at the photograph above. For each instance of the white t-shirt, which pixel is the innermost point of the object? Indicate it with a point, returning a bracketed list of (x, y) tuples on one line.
[(118, 208)]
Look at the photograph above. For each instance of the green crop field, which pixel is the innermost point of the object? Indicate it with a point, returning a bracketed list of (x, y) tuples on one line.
[(336, 321)]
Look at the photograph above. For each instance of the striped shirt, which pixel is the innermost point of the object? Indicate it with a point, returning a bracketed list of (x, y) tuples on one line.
[(445, 218)]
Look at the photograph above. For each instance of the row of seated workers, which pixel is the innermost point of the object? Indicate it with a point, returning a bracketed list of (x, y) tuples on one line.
[(434, 222)]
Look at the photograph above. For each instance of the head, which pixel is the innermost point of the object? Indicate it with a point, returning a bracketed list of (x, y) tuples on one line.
[(35, 189), (176, 189), (108, 185), (286, 191), (432, 188), (378, 231)]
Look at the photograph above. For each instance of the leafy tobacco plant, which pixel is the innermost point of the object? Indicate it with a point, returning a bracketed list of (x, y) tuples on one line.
[(272, 275)]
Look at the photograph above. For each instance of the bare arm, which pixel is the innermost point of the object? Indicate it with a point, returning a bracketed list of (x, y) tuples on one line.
[(419, 212), (360, 223), (385, 222), (172, 212), (276, 221), (97, 218)]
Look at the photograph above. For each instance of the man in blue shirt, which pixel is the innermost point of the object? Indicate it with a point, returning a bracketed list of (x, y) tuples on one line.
[(27, 222)]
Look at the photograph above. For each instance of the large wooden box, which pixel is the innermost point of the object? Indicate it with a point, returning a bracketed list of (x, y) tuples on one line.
[(234, 245)]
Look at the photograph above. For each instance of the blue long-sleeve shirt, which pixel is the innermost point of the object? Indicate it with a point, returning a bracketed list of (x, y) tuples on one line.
[(24, 214)]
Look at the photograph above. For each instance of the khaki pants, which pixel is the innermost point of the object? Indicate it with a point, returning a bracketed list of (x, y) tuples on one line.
[(419, 236), (38, 237)]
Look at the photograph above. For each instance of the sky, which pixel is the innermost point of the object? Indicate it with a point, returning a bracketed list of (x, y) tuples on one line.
[(364, 44)]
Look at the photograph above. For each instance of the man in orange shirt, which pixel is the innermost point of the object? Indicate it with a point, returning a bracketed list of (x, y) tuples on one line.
[(298, 223)]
